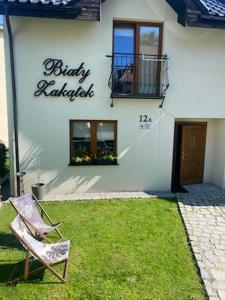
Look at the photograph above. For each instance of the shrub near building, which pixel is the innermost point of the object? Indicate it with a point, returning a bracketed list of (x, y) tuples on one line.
[(3, 160)]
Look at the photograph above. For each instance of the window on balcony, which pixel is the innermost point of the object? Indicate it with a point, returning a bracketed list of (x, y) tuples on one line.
[(137, 61), (93, 142)]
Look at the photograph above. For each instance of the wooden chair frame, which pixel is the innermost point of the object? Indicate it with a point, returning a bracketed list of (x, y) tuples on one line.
[(26, 274), (43, 212)]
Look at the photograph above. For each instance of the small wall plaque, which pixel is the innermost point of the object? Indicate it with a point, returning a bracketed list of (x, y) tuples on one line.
[(145, 122)]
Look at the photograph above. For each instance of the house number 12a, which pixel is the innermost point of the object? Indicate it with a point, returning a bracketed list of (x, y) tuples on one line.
[(145, 119)]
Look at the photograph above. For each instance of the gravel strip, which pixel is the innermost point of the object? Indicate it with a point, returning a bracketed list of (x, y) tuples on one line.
[(104, 196)]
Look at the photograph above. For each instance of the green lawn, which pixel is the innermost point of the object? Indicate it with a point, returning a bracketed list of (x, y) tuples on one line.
[(135, 249)]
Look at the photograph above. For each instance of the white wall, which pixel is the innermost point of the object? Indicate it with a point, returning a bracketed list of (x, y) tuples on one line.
[(197, 74), (218, 166), (10, 113), (3, 103)]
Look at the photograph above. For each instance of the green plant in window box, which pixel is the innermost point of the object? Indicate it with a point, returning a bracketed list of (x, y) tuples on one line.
[(84, 159), (108, 159), (93, 159), (78, 159), (112, 159)]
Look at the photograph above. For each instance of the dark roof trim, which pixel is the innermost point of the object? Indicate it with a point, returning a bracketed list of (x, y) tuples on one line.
[(76, 9), (178, 6), (192, 13)]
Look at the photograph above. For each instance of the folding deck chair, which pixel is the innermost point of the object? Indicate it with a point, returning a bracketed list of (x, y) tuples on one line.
[(26, 206), (49, 255)]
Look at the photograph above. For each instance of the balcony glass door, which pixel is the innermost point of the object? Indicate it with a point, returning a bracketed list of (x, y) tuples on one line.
[(136, 54), (124, 50), (149, 66)]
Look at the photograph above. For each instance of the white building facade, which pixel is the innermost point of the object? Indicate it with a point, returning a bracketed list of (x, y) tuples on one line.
[(3, 102), (86, 141)]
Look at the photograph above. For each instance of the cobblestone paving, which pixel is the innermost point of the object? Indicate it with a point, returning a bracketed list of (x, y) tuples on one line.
[(203, 212)]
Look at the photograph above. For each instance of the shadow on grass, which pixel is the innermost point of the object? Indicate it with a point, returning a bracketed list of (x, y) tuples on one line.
[(8, 240), (11, 271)]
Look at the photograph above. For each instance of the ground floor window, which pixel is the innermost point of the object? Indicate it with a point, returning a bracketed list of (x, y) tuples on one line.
[(93, 142)]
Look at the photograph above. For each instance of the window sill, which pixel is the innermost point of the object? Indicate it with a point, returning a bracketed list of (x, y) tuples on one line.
[(92, 164), (130, 96)]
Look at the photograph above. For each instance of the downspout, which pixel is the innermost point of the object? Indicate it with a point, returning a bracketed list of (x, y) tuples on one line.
[(14, 96)]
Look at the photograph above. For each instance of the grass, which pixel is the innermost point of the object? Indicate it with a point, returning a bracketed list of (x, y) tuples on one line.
[(121, 250)]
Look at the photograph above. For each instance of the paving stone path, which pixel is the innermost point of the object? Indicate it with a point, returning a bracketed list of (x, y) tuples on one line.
[(203, 213)]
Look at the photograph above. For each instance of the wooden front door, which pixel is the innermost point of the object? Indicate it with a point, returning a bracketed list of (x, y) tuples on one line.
[(192, 153)]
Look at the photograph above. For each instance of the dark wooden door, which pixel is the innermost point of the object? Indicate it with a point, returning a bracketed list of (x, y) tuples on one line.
[(192, 153)]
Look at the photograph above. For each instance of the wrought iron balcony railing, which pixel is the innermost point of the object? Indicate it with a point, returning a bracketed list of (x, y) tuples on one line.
[(138, 76)]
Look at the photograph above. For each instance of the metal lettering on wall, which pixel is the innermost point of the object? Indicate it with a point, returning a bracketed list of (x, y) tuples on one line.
[(56, 67)]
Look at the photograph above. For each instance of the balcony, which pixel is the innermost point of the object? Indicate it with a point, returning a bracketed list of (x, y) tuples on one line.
[(139, 76)]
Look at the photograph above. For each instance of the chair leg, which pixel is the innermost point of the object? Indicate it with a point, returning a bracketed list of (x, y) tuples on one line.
[(46, 266), (59, 233), (56, 274), (13, 272), (65, 270), (26, 268)]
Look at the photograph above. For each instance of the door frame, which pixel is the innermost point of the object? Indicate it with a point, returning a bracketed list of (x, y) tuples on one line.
[(177, 148)]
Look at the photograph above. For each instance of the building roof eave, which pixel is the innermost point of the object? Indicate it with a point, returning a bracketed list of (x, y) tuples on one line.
[(75, 9), (194, 14), (205, 21)]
